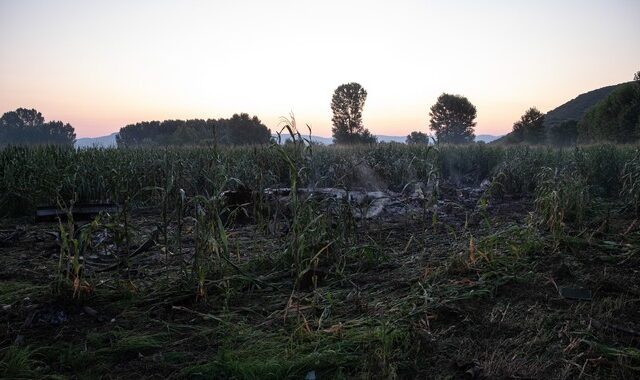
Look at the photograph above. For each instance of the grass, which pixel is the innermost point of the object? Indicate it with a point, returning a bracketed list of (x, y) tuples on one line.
[(20, 363), (465, 285)]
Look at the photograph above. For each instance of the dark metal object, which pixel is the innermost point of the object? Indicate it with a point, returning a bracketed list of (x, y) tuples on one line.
[(579, 294), (79, 212)]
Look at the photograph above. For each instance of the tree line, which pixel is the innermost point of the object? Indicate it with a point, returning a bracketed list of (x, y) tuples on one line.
[(616, 118), (240, 129), (452, 121), (27, 127), (452, 118)]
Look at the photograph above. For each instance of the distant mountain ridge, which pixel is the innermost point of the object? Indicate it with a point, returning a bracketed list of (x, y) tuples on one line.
[(574, 109), (109, 141), (487, 138)]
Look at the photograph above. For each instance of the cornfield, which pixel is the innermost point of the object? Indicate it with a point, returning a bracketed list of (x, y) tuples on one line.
[(297, 260), (30, 177)]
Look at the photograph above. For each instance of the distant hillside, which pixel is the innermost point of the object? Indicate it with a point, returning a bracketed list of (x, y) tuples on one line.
[(99, 142), (487, 138), (574, 109), (398, 139)]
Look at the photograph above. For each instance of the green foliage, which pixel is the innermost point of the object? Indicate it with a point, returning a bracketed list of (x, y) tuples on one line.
[(43, 175), (27, 127), (240, 129), (616, 118), (341, 329), (346, 104), (20, 363), (468, 164), (562, 196), (631, 182), (571, 110), (453, 119), (74, 243), (418, 138), (564, 134), (530, 128), (601, 166)]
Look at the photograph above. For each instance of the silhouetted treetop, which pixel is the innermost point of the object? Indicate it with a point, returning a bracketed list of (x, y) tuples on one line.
[(417, 138), (453, 119), (240, 129), (347, 103), (530, 128), (27, 127)]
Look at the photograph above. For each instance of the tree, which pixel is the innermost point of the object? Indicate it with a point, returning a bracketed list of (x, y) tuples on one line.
[(530, 127), (346, 104), (564, 134), (453, 119), (418, 138), (636, 77), (245, 130), (27, 127), (23, 118), (240, 129), (615, 118)]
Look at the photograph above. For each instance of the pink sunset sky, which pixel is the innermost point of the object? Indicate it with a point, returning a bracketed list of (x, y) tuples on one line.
[(100, 65)]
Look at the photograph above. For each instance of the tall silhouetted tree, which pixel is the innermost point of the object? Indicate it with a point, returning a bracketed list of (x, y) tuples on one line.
[(530, 127), (27, 127), (453, 119), (417, 138), (346, 104), (636, 76)]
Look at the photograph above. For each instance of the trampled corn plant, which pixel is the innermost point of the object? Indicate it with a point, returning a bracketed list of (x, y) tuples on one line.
[(501, 257), (517, 172), (562, 197), (182, 198), (470, 163), (518, 241), (431, 176), (495, 190), (601, 166), (124, 196), (32, 176), (631, 182), (74, 243), (309, 228), (167, 193), (343, 210), (211, 243), (169, 202)]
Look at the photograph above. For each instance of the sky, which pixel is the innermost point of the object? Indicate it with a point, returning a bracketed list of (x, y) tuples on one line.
[(101, 65)]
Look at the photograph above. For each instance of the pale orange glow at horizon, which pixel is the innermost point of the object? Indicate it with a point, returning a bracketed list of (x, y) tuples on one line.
[(102, 65)]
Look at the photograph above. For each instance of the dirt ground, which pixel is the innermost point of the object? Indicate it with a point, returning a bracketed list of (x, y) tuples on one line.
[(456, 292)]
